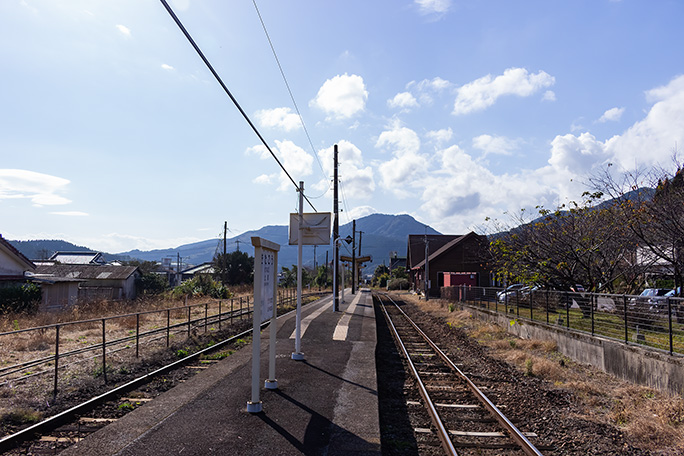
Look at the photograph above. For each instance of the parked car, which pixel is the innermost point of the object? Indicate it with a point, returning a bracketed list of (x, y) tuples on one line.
[(658, 303), (648, 295), (509, 292), (516, 293)]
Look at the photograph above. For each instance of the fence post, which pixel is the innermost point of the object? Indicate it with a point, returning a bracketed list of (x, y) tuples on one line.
[(104, 351), (54, 392), (137, 335), (624, 303), (592, 300), (231, 311), (248, 305), (188, 322), (219, 315), (517, 303), (567, 310), (547, 306), (240, 307), (531, 304), (206, 310), (669, 318), (168, 326)]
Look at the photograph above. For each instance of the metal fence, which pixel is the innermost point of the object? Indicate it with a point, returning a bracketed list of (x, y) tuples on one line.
[(111, 343), (655, 321)]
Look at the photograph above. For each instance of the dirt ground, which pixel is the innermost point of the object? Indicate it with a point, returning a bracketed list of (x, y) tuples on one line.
[(575, 408)]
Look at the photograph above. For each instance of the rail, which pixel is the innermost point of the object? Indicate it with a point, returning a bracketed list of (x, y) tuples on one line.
[(527, 447)]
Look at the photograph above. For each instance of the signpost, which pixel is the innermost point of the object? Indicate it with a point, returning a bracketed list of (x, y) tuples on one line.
[(265, 307), (305, 229)]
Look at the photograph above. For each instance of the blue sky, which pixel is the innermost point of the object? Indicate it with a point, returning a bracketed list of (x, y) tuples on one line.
[(114, 135)]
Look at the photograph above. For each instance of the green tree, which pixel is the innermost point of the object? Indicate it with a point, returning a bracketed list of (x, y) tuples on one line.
[(380, 276), (234, 268)]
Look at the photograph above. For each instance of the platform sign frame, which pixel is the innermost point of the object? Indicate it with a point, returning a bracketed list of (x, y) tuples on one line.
[(265, 307), (314, 229)]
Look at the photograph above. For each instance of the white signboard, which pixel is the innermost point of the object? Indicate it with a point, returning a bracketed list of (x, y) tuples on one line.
[(315, 228), (267, 277)]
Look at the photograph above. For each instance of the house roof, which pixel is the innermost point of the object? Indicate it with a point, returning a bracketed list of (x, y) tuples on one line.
[(12, 251), (204, 268), (85, 271), (78, 257), (445, 248), (415, 252)]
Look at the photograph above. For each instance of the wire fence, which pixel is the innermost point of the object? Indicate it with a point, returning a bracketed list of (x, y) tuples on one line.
[(653, 321), (54, 355)]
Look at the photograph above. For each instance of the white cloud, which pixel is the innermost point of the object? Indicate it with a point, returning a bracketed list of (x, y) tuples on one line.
[(357, 178), (358, 212), (499, 145), (407, 167), (167, 67), (440, 136), (433, 6), (282, 118), (612, 115), (41, 189), (651, 140), (549, 95), (295, 160), (342, 96), (403, 100), (576, 154), (125, 31), (71, 213), (427, 88), (483, 92)]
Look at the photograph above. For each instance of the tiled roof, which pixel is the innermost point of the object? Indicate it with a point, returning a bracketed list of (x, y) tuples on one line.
[(86, 271)]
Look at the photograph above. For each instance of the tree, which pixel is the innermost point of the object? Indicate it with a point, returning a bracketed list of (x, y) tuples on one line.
[(234, 268), (149, 282), (289, 276), (380, 276), (322, 278)]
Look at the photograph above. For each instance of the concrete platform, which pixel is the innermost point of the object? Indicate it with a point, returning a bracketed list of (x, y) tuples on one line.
[(326, 404)]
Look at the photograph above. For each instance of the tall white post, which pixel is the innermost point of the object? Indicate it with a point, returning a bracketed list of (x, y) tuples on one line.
[(298, 355), (254, 405), (343, 282), (272, 383)]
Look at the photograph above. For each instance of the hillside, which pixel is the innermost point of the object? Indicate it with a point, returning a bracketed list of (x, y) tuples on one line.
[(381, 234)]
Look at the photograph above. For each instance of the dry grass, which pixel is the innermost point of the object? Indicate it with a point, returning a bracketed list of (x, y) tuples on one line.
[(650, 419)]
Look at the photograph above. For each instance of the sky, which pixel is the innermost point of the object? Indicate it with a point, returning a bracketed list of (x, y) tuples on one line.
[(115, 135)]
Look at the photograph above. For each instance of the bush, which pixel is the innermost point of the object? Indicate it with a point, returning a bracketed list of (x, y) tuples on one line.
[(201, 285), (151, 283), (21, 298), (398, 284)]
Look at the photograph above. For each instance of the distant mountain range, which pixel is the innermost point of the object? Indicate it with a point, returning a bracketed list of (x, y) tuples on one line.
[(378, 234)]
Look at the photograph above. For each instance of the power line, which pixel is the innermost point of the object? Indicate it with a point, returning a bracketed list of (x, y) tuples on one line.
[(225, 89), (301, 119)]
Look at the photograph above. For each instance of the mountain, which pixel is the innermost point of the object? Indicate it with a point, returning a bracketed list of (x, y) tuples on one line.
[(378, 235), (44, 248)]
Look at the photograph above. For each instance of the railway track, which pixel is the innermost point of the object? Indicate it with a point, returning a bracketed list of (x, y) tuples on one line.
[(448, 409)]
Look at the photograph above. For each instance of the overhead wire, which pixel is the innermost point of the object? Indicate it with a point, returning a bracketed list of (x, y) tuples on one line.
[(282, 73), (233, 99)]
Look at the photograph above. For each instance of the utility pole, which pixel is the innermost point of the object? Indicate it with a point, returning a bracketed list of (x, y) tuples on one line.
[(353, 256), (336, 232), (237, 241), (315, 258), (360, 239), (225, 258)]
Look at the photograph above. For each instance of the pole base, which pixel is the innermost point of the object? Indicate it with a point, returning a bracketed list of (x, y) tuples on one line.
[(298, 356), (254, 407), (271, 384)]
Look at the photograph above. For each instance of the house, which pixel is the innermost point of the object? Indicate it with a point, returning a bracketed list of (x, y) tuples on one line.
[(14, 266), (396, 261), (204, 268), (452, 260), (78, 258), (94, 281)]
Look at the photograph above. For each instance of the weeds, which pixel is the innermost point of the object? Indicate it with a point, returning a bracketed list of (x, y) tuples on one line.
[(22, 416)]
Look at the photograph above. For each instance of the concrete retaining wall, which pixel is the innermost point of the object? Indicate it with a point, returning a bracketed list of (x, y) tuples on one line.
[(634, 363)]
